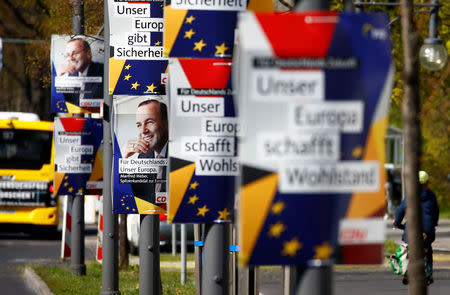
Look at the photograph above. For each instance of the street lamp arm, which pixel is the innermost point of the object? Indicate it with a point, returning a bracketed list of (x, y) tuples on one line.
[(398, 17), (359, 3)]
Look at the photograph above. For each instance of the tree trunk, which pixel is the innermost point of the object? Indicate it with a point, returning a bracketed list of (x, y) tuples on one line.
[(123, 243), (411, 148)]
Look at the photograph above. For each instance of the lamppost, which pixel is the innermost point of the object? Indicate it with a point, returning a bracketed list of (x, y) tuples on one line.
[(432, 55)]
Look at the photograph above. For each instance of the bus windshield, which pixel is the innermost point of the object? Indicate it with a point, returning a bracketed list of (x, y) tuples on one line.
[(24, 149)]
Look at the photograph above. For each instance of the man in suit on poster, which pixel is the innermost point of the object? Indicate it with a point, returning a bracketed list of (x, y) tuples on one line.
[(153, 134), (79, 64)]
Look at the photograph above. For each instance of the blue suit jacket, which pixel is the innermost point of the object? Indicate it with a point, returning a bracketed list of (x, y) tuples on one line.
[(91, 90)]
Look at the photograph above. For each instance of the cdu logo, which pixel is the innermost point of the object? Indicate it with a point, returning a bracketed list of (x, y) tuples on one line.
[(369, 31)]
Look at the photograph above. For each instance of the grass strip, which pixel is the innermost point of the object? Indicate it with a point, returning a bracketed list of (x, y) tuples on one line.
[(62, 282)]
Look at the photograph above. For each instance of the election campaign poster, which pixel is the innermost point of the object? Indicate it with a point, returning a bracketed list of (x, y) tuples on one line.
[(78, 156), (137, 81), (77, 74), (313, 95), (136, 29), (140, 155), (204, 29), (137, 65), (203, 130)]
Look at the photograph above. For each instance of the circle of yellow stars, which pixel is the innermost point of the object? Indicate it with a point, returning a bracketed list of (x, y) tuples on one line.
[(61, 106), (292, 246), (71, 189), (150, 88), (221, 50), (123, 204), (202, 211)]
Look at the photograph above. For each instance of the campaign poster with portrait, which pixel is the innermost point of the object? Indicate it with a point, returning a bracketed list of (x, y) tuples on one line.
[(77, 74), (140, 154)]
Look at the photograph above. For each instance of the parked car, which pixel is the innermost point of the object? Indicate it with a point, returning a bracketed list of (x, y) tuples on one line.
[(165, 233)]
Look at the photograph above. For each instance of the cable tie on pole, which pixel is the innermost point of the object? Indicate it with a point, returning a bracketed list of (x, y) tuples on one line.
[(234, 248), (199, 243)]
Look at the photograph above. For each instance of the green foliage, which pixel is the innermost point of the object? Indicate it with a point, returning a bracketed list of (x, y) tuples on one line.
[(25, 77), (62, 282)]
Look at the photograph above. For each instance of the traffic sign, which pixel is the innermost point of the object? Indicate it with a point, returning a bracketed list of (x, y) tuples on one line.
[(313, 94)]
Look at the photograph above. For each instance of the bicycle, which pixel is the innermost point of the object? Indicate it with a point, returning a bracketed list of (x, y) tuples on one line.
[(399, 263)]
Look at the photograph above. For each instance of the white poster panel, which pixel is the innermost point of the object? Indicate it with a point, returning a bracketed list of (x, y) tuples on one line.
[(136, 29)]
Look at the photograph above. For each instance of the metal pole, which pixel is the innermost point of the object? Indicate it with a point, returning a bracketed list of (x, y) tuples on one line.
[(289, 279), (198, 259), (216, 257), (304, 5), (348, 5), (78, 17), (183, 254), (434, 18), (174, 239), (110, 261), (149, 269), (315, 280), (77, 265)]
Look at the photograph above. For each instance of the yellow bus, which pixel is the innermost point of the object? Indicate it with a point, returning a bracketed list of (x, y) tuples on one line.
[(26, 171)]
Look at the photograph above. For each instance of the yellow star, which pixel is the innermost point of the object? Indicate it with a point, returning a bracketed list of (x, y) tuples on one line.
[(80, 191), (66, 183), (190, 19), (223, 214), (128, 208), (127, 77), (127, 67), (193, 199), (202, 211), (194, 185), (188, 34), (276, 229), (277, 208), (291, 247), (323, 251), (199, 45), (220, 50), (135, 85), (357, 152), (66, 177), (123, 204), (158, 43), (70, 189), (151, 88)]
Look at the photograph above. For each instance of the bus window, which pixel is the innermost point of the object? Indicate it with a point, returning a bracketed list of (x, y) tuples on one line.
[(24, 149)]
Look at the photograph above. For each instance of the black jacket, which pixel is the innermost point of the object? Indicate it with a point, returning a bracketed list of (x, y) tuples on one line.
[(430, 215)]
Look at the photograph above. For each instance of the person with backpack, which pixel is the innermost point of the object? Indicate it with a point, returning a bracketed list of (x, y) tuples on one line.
[(430, 218)]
